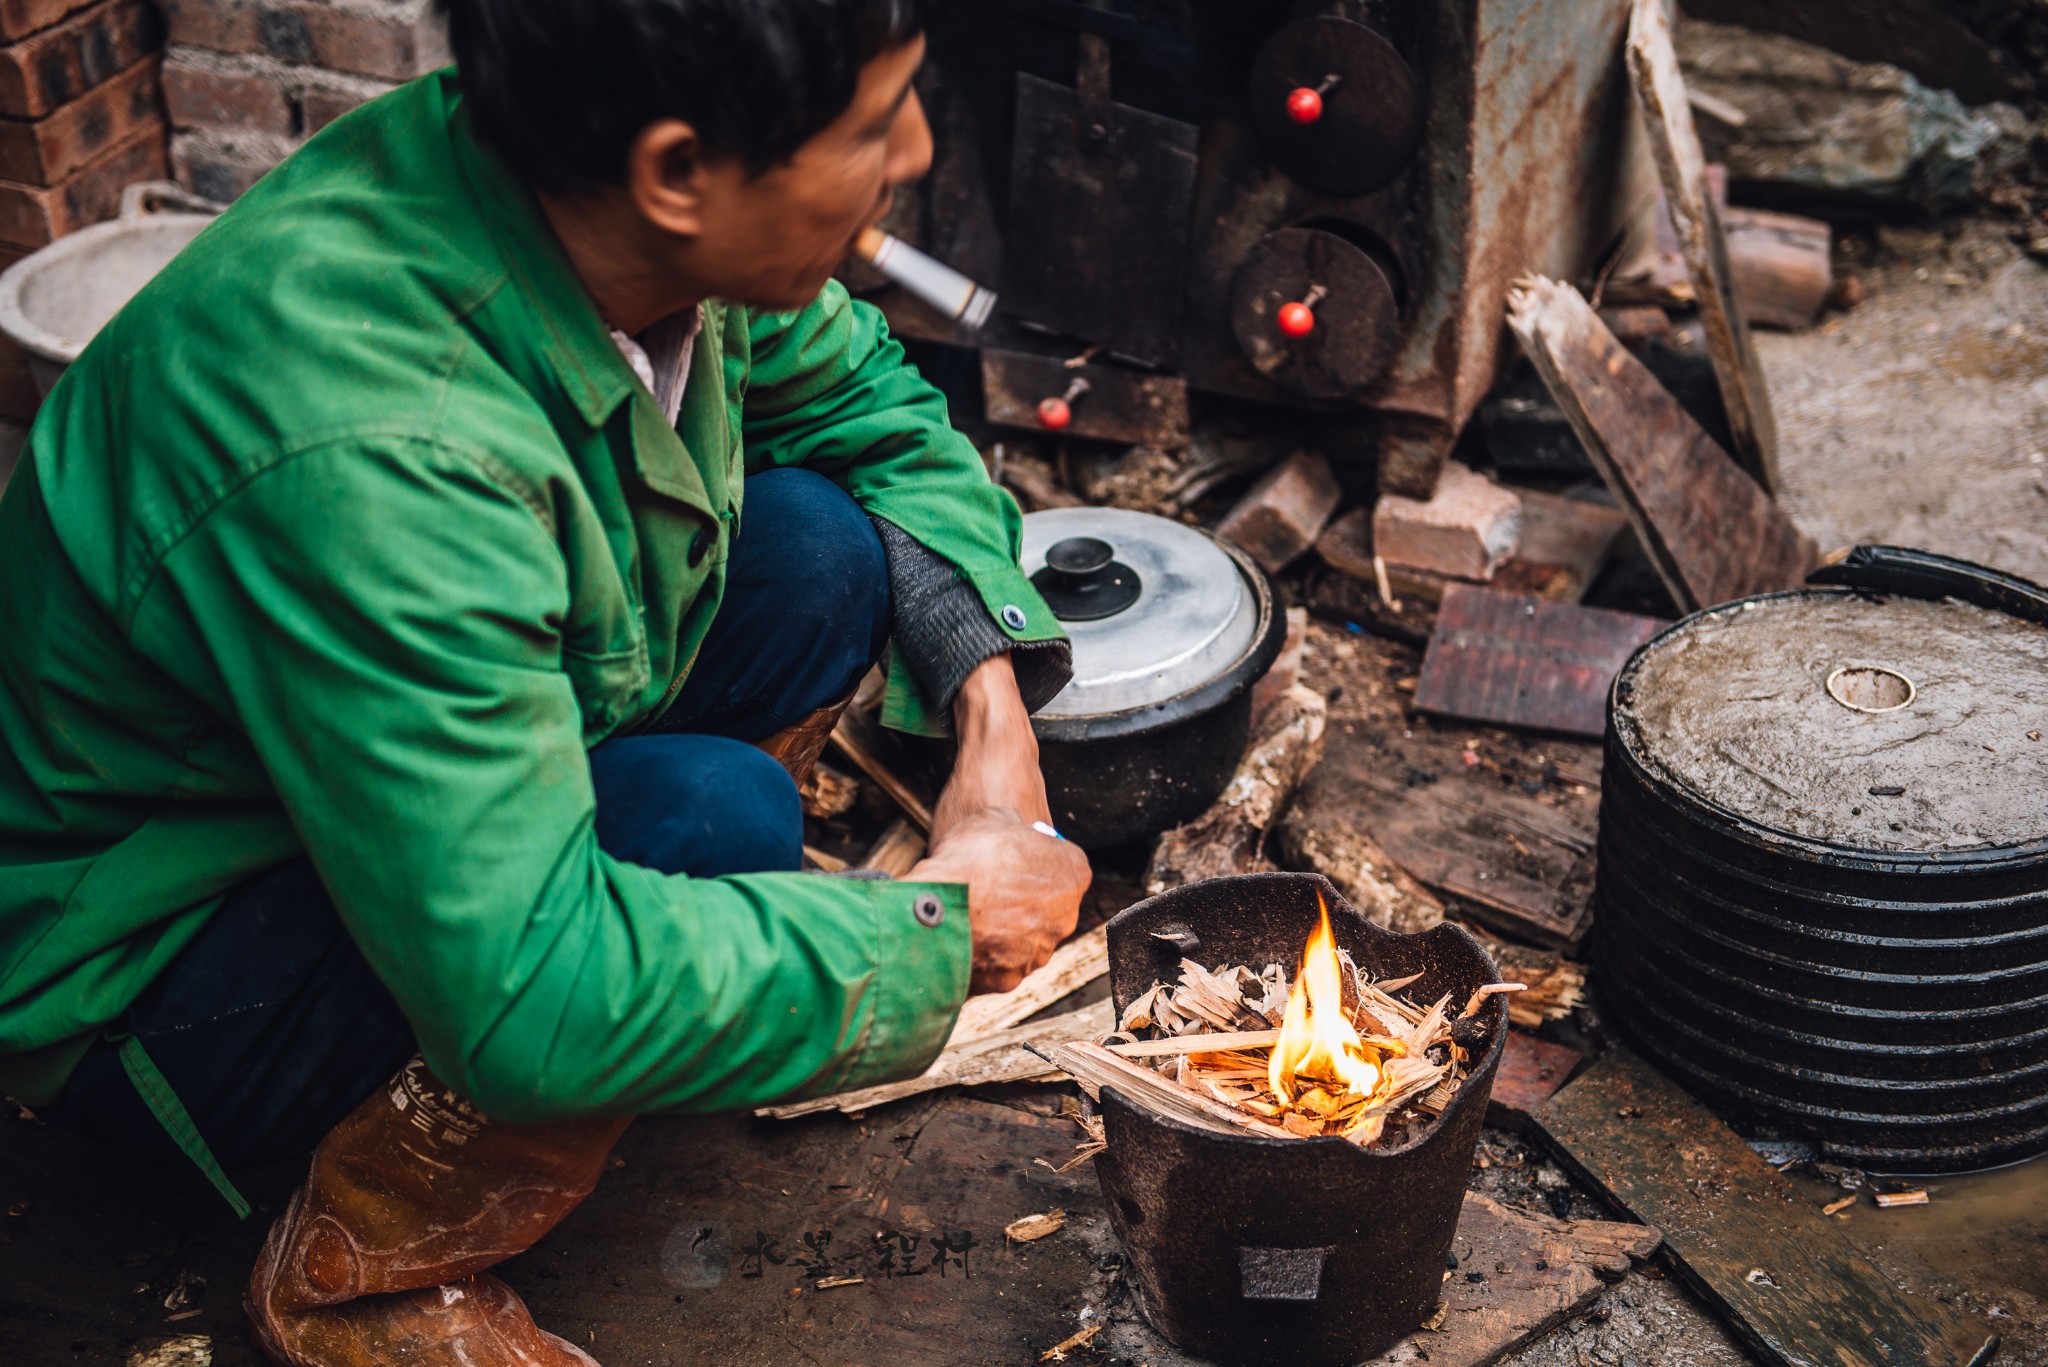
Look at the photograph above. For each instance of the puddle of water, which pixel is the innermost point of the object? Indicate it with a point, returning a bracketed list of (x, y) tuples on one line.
[(1986, 1230)]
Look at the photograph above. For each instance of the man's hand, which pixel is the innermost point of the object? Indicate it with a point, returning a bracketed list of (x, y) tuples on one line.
[(1023, 887)]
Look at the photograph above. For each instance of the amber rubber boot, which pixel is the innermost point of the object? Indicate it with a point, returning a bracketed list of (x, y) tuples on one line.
[(378, 1260), (796, 748)]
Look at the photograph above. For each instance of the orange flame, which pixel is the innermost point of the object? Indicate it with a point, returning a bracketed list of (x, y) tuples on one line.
[(1318, 1045)]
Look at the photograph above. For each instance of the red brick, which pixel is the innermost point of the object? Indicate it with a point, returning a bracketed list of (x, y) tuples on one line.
[(1284, 512), (221, 166), (45, 150), (201, 97), (19, 18), (321, 107), (1466, 529), (60, 64), (34, 215), (390, 41)]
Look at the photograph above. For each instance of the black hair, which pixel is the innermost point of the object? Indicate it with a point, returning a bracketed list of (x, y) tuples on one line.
[(560, 88)]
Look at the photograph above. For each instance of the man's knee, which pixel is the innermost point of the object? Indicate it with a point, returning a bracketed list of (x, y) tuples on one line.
[(826, 555), (705, 806)]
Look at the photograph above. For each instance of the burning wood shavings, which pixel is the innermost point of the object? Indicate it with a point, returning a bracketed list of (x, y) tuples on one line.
[(1331, 1053), (1035, 1227), (1058, 1352)]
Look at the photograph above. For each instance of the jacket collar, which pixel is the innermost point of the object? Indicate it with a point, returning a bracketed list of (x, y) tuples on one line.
[(572, 336)]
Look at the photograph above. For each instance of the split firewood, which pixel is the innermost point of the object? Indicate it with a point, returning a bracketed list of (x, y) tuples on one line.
[(1032, 1228), (1194, 1049), (1230, 837), (827, 793), (1004, 1056), (1073, 966), (1035, 481), (861, 739), (1362, 871), (820, 859), (897, 850), (1556, 985), (985, 1045)]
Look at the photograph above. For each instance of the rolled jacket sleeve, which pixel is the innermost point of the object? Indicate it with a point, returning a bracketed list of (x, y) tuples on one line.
[(828, 388), (396, 664)]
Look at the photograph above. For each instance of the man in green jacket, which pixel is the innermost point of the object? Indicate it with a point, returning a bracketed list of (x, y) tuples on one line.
[(403, 605)]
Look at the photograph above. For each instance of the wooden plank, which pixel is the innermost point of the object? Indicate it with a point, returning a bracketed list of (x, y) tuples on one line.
[(896, 850), (1520, 661), (1789, 1282), (1535, 1273), (1531, 1072), (1712, 533), (1518, 862), (1675, 146)]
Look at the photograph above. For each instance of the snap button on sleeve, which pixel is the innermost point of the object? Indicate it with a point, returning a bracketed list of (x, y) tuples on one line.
[(1013, 617), (928, 909)]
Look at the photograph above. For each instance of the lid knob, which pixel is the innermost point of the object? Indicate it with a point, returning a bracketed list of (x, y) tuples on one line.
[(1056, 411), (1080, 555), (1297, 318), (1083, 582), (1305, 102)]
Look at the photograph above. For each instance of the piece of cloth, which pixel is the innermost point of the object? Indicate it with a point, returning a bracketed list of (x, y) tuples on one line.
[(944, 631), (348, 538), (271, 1026)]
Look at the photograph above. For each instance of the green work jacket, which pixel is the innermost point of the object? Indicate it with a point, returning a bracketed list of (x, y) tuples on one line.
[(348, 538)]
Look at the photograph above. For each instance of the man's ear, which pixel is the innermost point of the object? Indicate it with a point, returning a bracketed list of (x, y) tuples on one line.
[(665, 176)]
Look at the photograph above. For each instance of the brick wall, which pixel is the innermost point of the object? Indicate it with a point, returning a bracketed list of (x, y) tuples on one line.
[(81, 118), (246, 81)]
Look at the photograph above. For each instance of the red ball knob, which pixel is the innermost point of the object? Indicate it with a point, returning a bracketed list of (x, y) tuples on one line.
[(1304, 105), (1297, 319), (1054, 413)]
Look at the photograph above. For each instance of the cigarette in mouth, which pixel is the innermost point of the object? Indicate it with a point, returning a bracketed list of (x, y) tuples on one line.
[(939, 285)]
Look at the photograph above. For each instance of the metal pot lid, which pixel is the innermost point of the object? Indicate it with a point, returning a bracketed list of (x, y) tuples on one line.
[(1154, 609), (1900, 724)]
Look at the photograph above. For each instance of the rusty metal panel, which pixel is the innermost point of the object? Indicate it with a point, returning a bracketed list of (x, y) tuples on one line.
[(1119, 404), (1098, 228)]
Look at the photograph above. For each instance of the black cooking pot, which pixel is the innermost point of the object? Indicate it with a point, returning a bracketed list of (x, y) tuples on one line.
[(1170, 628)]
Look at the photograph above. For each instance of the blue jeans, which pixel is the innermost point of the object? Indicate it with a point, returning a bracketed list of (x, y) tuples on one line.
[(270, 1026)]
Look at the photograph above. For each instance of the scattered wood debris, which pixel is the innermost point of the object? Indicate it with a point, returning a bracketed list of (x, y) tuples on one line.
[(1032, 1228), (1711, 532), (1001, 1057), (870, 749), (827, 793), (987, 1040), (1230, 837), (1834, 1206), (897, 850), (1058, 1352), (1681, 166), (830, 1282), (1888, 1199)]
